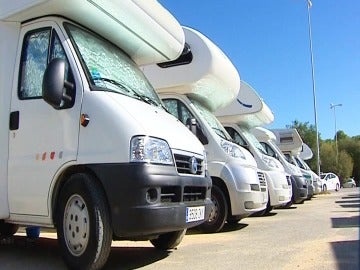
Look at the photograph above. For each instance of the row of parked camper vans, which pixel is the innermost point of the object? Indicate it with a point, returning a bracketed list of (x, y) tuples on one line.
[(118, 123)]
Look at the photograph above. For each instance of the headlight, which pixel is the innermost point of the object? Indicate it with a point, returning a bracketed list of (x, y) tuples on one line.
[(232, 149), (151, 150)]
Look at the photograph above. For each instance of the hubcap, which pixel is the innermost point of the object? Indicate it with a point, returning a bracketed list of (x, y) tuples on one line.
[(76, 225)]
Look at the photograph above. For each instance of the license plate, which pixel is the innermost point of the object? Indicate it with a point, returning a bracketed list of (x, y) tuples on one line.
[(195, 213)]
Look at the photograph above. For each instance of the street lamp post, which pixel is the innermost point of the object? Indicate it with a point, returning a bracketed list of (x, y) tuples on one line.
[(309, 5), (333, 106)]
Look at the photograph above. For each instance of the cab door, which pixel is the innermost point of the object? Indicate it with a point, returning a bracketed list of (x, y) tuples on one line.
[(42, 139)]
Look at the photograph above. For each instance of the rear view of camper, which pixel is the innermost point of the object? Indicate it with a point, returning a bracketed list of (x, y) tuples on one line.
[(86, 146), (193, 87)]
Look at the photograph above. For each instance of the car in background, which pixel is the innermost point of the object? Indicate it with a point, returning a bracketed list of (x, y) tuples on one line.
[(349, 183), (330, 181)]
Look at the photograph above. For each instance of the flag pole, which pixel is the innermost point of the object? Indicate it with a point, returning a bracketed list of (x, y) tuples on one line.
[(309, 5)]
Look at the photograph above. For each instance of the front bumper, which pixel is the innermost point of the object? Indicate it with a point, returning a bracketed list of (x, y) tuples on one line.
[(300, 189), (146, 199), (243, 185), (278, 194)]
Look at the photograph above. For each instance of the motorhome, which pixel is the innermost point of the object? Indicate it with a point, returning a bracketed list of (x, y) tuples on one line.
[(86, 146), (198, 83), (247, 111), (305, 154), (268, 140), (291, 144)]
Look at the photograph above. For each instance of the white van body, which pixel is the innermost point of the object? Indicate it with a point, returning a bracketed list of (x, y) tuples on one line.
[(247, 111), (77, 142), (305, 154), (268, 141), (200, 82), (291, 144)]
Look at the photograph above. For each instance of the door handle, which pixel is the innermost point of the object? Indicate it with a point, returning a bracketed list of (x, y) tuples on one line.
[(14, 120)]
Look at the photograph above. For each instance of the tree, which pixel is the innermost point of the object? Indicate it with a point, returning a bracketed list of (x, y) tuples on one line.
[(352, 147), (341, 135), (345, 165), (328, 157)]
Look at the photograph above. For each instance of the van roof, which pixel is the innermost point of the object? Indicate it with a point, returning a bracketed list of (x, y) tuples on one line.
[(288, 140), (207, 76), (145, 30), (247, 109)]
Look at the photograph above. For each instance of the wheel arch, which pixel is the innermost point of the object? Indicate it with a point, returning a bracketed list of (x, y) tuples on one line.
[(63, 178), (220, 183)]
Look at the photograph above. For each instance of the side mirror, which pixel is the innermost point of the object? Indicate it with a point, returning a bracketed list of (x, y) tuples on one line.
[(192, 124), (54, 85)]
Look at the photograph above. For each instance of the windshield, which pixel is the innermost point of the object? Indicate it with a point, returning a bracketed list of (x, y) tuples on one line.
[(289, 158), (300, 163), (211, 120), (252, 140), (109, 68)]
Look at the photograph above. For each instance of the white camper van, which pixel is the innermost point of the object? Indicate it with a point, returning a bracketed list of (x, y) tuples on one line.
[(248, 110), (85, 145), (305, 154), (195, 85), (268, 140), (291, 144)]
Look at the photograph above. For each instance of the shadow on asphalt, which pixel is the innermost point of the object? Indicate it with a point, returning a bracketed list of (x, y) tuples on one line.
[(286, 208), (271, 214), (346, 222), (227, 228), (44, 253), (350, 201), (346, 253)]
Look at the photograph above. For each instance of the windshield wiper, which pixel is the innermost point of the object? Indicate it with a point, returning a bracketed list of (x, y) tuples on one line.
[(113, 82), (123, 86), (219, 132)]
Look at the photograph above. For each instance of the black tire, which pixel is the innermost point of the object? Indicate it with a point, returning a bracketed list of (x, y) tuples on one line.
[(259, 213), (337, 188), (83, 223), (324, 188), (233, 221), (218, 213), (269, 208), (7, 229), (168, 240), (289, 204)]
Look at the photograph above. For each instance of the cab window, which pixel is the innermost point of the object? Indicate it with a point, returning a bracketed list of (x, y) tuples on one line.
[(39, 48)]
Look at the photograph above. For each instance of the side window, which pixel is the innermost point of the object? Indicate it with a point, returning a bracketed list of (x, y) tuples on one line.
[(236, 137), (269, 150), (178, 109), (39, 48), (172, 106)]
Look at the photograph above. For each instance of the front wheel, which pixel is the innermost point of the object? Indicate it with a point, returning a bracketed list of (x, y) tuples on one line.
[(337, 188), (7, 229), (218, 213), (168, 240), (83, 223), (324, 188)]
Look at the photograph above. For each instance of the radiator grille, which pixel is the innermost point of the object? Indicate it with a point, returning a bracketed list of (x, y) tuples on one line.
[(184, 164), (262, 181), (182, 194)]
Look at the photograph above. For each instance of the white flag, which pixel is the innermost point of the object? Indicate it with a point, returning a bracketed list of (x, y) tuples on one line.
[(309, 3)]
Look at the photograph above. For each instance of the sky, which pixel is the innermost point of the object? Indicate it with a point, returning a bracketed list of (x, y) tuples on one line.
[(268, 43)]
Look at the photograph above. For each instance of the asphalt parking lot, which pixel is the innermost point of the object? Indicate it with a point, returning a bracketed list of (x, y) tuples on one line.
[(322, 233)]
